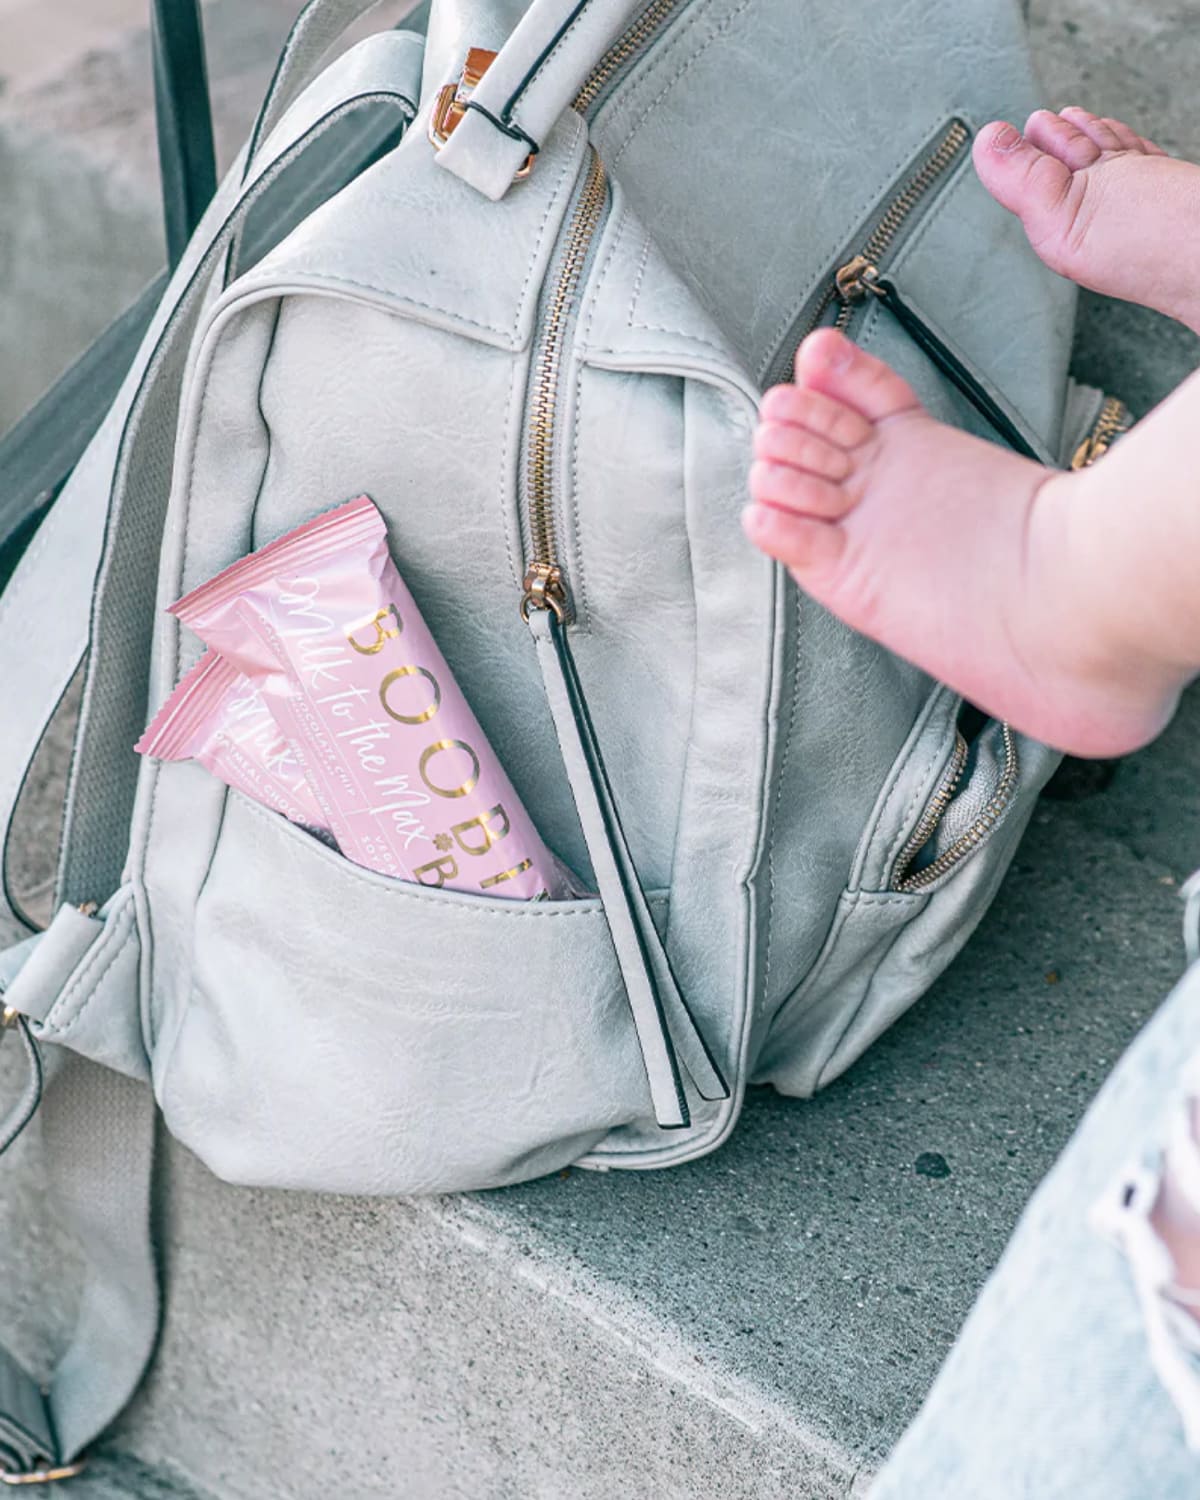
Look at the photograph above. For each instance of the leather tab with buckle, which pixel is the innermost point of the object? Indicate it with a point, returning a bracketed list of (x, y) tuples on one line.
[(454, 99)]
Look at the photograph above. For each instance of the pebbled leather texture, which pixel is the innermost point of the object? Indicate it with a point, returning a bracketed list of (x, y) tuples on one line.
[(310, 1024)]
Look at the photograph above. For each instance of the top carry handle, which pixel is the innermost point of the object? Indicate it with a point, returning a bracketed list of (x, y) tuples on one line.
[(534, 77)]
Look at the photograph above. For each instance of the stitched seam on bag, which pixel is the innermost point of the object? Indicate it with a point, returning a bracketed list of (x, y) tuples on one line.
[(400, 300), (685, 68), (680, 333), (58, 1027), (510, 451), (718, 355), (579, 581), (95, 967), (161, 1065), (873, 198), (405, 299), (685, 24), (787, 750), (643, 262), (599, 279), (869, 981), (515, 99), (793, 1005), (346, 869)]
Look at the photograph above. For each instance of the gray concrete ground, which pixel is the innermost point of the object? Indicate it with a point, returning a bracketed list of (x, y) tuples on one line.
[(81, 231), (760, 1323)]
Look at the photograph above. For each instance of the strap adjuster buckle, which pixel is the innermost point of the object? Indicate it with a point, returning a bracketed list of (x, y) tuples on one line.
[(454, 99)]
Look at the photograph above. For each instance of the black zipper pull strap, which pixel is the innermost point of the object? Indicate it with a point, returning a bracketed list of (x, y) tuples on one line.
[(667, 1033), (950, 365)]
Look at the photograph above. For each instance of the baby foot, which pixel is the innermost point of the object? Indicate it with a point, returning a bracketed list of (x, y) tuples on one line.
[(951, 551), (1101, 205)]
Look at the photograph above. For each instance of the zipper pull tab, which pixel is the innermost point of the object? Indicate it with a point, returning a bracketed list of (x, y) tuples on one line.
[(664, 1024), (856, 279)]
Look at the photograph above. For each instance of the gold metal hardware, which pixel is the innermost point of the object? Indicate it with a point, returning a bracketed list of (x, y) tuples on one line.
[(849, 285), (1113, 422), (856, 278), (539, 468), (9, 1018), (42, 1476), (89, 908), (969, 840), (450, 107), (936, 811), (544, 589)]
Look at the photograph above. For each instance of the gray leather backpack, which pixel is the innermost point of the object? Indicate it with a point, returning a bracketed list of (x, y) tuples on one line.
[(535, 333)]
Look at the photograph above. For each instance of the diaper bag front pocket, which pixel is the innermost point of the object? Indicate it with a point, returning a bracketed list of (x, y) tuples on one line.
[(346, 1032)]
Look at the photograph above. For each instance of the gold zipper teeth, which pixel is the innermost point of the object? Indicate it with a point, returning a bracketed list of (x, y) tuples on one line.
[(1113, 421), (896, 215), (543, 409), (936, 810), (624, 48), (978, 830), (944, 156)]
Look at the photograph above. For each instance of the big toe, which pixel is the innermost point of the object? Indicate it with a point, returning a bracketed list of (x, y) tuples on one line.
[(1028, 180), (829, 362)]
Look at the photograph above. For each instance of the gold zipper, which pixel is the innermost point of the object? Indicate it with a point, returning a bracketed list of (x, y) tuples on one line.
[(850, 282), (545, 587), (544, 584), (941, 800), (623, 50), (1115, 419), (968, 841)]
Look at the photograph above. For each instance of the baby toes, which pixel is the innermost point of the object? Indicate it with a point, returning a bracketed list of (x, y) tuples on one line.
[(786, 488), (811, 549), (1061, 138), (1108, 135), (782, 443), (828, 362), (816, 413)]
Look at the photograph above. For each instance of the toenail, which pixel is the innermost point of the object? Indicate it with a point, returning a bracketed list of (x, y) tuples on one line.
[(1007, 138)]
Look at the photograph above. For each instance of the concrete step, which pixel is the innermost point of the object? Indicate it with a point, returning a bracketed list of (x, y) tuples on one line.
[(120, 1477), (760, 1323)]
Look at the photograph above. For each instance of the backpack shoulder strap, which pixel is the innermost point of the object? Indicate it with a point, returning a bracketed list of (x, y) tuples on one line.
[(99, 1126)]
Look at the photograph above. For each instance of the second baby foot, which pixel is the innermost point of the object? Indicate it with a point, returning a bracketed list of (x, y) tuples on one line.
[(950, 551), (1100, 205)]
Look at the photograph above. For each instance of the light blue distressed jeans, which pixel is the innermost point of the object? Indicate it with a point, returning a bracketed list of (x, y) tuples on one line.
[(1077, 1374)]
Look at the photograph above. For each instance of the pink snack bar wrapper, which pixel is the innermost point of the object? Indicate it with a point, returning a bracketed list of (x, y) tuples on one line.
[(321, 622), (218, 718)]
